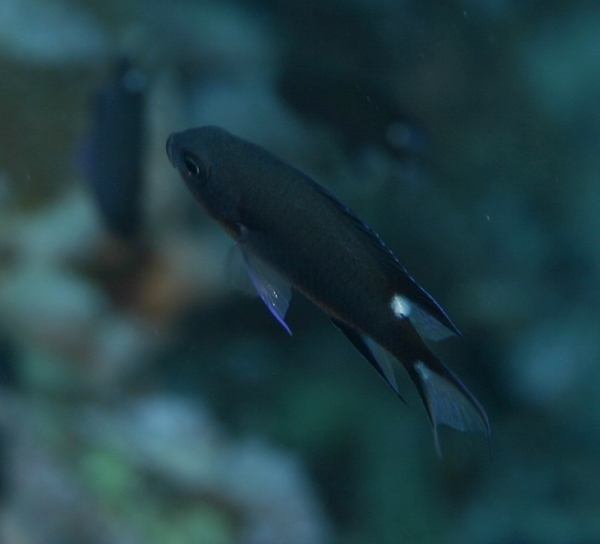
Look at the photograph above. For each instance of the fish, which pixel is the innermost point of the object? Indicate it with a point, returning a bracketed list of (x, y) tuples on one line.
[(114, 152), (290, 231)]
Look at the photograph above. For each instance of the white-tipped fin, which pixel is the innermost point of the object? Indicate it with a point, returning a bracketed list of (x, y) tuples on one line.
[(425, 323), (428, 326), (448, 401), (274, 290)]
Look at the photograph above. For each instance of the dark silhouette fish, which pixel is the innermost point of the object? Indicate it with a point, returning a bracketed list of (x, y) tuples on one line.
[(114, 156), (291, 231)]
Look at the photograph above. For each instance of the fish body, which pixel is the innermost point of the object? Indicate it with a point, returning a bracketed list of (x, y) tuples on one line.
[(115, 152), (291, 230)]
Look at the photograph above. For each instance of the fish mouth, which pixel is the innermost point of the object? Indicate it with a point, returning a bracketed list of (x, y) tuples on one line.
[(170, 150)]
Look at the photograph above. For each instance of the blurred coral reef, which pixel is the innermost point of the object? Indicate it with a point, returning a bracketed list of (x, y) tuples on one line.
[(142, 400)]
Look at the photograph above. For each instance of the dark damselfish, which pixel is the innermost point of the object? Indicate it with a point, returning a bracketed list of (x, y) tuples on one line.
[(291, 231)]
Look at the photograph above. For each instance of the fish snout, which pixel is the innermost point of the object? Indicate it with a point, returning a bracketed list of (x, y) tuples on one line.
[(170, 149)]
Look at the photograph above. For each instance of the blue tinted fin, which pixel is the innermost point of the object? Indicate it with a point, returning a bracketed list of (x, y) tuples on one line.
[(274, 290), (447, 400), (377, 357), (425, 323), (428, 317), (428, 326), (238, 277)]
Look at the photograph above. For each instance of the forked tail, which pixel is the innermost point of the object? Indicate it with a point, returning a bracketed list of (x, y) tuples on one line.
[(446, 399)]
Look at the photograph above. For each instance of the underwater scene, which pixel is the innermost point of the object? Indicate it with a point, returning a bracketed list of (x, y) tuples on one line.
[(299, 272)]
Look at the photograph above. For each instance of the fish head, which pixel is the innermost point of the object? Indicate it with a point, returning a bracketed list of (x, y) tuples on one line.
[(196, 154)]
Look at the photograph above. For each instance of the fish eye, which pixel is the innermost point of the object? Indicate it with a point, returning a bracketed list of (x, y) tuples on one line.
[(192, 166)]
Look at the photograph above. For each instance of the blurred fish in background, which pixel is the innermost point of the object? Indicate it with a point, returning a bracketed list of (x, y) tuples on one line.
[(114, 154), (113, 167)]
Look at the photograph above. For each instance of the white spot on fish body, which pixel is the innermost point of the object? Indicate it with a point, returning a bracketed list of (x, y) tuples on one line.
[(401, 307), (423, 371)]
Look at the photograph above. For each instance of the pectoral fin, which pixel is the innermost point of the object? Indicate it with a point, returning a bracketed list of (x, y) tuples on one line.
[(274, 290)]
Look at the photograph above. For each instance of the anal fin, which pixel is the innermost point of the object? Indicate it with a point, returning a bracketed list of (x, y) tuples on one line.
[(379, 362)]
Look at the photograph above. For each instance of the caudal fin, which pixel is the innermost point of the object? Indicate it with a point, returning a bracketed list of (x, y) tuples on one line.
[(447, 400)]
